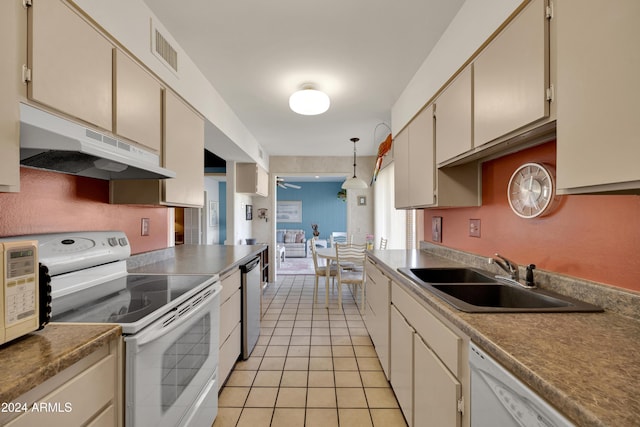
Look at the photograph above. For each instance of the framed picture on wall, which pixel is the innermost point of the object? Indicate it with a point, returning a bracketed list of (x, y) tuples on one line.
[(249, 212), (289, 211)]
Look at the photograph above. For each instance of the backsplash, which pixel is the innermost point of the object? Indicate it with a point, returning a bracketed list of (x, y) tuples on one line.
[(593, 237), (50, 202), (621, 301)]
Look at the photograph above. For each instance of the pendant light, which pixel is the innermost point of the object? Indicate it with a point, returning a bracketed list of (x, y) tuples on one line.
[(354, 183)]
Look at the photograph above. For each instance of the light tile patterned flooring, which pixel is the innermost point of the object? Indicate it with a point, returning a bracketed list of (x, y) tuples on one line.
[(312, 366)]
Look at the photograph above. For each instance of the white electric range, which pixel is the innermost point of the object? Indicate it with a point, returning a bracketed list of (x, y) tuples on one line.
[(170, 324)]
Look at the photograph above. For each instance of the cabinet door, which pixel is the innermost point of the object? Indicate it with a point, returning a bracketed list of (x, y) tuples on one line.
[(436, 390), (13, 44), (71, 63), (401, 169), (421, 159), (138, 103), (511, 76), (453, 118), (598, 87), (402, 363), (183, 152)]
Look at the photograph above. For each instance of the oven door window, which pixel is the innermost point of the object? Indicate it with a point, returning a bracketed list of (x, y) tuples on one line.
[(183, 359)]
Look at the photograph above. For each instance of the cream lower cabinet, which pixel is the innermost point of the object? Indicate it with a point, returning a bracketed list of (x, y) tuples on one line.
[(88, 393), (402, 355), (70, 62), (230, 324), (598, 86), (376, 312), (13, 44), (429, 369)]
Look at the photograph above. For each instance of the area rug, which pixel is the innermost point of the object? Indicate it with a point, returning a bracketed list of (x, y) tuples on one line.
[(296, 266)]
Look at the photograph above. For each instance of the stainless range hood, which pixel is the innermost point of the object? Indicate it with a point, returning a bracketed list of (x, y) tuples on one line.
[(53, 143)]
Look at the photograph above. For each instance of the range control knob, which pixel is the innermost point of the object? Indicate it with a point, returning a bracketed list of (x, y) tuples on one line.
[(113, 241)]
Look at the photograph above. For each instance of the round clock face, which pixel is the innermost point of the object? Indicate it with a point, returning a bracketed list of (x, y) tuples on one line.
[(531, 190)]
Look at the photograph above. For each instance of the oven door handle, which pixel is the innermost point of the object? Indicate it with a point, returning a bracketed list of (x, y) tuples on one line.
[(157, 329)]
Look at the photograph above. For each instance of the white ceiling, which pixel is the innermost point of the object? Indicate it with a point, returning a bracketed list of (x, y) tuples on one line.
[(362, 53)]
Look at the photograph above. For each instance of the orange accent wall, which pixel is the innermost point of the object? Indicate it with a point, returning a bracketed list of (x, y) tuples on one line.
[(50, 202), (594, 237)]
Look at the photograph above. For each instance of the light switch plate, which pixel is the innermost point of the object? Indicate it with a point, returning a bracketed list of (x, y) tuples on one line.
[(474, 228)]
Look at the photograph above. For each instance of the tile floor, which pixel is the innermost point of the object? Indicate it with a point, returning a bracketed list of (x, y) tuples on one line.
[(312, 366)]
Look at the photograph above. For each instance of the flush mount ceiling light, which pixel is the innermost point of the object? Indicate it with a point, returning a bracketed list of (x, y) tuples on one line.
[(354, 183), (309, 101)]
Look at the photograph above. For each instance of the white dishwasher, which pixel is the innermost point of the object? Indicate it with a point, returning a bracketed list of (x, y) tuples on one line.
[(500, 399)]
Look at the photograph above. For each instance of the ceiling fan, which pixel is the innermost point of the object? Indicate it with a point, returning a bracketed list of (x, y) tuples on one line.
[(285, 185)]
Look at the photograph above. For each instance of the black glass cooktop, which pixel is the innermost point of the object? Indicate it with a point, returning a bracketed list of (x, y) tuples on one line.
[(132, 299)]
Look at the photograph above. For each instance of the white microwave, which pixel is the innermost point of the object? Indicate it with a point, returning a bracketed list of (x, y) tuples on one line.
[(20, 293)]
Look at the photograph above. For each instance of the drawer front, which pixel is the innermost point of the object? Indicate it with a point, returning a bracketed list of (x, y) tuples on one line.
[(377, 288), (442, 340), (230, 315), (230, 283), (87, 393)]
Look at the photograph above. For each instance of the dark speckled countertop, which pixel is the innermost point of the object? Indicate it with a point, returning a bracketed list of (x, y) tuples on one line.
[(585, 364), (38, 356)]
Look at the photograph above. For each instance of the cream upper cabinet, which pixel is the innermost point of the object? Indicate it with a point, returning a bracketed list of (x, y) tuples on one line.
[(421, 159), (251, 178), (137, 103), (183, 152), (70, 62), (453, 114), (598, 86), (401, 169), (414, 162), (511, 76), (13, 43)]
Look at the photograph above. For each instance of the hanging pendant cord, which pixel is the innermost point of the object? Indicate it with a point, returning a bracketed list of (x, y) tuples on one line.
[(354, 155)]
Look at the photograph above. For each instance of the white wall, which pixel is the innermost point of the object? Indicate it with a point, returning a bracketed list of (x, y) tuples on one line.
[(211, 187), (389, 222), (475, 22)]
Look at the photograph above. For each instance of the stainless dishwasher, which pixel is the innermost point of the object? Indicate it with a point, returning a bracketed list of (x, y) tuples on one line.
[(250, 305), (500, 399)]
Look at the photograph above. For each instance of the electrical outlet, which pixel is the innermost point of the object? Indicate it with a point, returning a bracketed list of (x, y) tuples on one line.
[(144, 226), (474, 228)]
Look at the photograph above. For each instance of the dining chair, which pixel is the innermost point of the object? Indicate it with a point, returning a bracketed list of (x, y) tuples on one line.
[(338, 237), (383, 243), (321, 270), (350, 260)]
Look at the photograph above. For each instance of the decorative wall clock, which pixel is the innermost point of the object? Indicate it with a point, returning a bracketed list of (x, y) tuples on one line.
[(531, 190)]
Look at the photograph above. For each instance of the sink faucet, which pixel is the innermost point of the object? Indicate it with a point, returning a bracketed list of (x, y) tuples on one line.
[(514, 272), (507, 265)]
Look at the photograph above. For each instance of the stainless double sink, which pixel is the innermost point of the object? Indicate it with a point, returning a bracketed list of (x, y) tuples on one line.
[(476, 291)]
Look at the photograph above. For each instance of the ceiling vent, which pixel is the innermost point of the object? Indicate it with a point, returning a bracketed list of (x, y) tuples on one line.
[(163, 50)]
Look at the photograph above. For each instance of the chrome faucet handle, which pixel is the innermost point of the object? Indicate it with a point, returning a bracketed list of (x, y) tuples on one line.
[(508, 266)]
